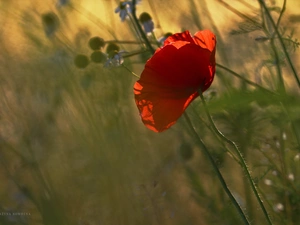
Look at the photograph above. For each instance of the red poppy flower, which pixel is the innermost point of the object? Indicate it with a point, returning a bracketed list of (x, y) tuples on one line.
[(173, 76)]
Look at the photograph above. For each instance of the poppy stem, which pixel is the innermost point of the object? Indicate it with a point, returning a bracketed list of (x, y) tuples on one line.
[(216, 169), (240, 157)]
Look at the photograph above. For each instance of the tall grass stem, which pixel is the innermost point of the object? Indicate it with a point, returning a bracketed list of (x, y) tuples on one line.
[(242, 160), (216, 169)]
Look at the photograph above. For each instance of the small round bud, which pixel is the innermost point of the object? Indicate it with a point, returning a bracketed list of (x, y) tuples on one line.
[(81, 61), (50, 22), (168, 34), (145, 17), (122, 5), (98, 57), (112, 47), (96, 43)]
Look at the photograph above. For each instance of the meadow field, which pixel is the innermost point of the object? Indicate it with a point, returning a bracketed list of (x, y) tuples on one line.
[(74, 151)]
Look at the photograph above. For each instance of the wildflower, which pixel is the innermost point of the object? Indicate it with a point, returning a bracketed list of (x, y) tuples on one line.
[(173, 76), (115, 59), (124, 8), (278, 207), (268, 182), (291, 177), (147, 22)]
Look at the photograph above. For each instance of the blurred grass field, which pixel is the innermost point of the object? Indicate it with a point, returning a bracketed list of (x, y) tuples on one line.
[(74, 151)]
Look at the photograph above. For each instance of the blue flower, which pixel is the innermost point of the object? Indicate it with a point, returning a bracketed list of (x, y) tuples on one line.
[(147, 22), (115, 59), (124, 9)]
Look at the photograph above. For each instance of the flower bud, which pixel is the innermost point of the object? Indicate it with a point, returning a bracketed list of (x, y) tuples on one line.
[(147, 22), (50, 22), (96, 43), (81, 61), (111, 48)]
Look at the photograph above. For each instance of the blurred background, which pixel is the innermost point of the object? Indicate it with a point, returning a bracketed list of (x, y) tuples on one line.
[(73, 149)]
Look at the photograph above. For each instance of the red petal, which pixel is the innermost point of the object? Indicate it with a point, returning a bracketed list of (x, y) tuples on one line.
[(205, 39), (184, 36), (172, 77)]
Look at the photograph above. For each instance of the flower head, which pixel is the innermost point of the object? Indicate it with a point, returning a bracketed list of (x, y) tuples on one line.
[(147, 22), (115, 59), (173, 76), (124, 8)]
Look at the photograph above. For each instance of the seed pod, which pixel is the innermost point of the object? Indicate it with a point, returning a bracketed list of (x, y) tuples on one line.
[(96, 43), (81, 61)]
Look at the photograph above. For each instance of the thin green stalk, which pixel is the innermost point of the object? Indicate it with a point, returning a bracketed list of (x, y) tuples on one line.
[(281, 13), (263, 4), (155, 39), (232, 9), (134, 74), (242, 160), (136, 29), (216, 169), (244, 79), (144, 37), (280, 85), (137, 52), (230, 153)]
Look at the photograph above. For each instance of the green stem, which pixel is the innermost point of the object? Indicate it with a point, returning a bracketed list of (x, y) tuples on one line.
[(281, 13), (147, 42), (280, 83), (244, 79), (242, 160), (280, 40), (134, 74), (138, 33), (244, 16), (216, 169)]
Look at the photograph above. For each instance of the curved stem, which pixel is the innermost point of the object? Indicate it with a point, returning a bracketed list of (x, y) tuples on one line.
[(241, 158), (216, 169)]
